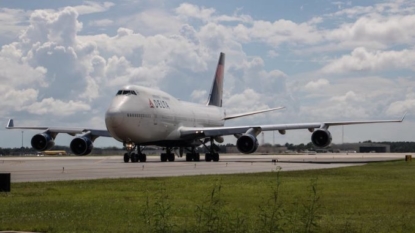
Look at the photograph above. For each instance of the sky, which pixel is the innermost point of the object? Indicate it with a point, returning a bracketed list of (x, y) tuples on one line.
[(61, 62)]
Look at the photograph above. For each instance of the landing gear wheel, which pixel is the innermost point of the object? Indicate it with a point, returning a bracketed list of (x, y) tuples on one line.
[(126, 158), (189, 157), (170, 157), (215, 157), (143, 158), (163, 157), (196, 157), (212, 151), (208, 157), (134, 158)]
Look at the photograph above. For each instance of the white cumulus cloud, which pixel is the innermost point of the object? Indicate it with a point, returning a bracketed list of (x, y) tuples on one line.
[(315, 85), (363, 60), (51, 106)]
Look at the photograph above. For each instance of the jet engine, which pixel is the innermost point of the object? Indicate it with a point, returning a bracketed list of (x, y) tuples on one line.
[(42, 142), (81, 145), (247, 143), (321, 138), (219, 139)]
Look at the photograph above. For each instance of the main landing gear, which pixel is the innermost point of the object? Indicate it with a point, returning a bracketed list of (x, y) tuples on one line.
[(212, 155), (134, 153), (192, 156), (134, 157), (167, 156)]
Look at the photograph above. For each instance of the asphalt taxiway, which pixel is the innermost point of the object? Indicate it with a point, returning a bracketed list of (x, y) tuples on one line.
[(34, 169)]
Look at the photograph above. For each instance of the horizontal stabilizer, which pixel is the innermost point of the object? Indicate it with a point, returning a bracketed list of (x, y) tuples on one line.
[(251, 113)]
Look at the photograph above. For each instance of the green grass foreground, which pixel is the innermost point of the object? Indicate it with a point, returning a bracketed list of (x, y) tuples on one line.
[(372, 198)]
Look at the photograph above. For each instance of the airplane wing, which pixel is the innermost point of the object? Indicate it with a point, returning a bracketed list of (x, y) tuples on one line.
[(202, 132), (228, 117), (68, 130)]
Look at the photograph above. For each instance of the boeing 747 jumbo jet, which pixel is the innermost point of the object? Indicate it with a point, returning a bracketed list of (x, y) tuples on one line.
[(140, 116)]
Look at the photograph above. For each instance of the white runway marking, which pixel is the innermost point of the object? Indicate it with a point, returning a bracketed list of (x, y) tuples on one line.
[(33, 169)]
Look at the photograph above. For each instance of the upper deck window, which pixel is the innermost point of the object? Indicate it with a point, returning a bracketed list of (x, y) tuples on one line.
[(126, 92)]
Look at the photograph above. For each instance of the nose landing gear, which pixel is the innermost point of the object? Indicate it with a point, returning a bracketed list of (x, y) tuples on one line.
[(135, 157)]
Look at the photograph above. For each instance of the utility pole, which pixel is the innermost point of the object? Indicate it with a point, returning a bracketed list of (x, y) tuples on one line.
[(22, 139), (273, 138), (342, 134), (343, 138)]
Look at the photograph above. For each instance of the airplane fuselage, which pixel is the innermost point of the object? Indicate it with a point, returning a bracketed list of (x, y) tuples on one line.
[(149, 116)]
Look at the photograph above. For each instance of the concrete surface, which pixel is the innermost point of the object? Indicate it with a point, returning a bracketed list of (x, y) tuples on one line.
[(33, 169)]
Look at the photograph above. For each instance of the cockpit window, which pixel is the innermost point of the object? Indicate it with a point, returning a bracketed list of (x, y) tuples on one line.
[(126, 92)]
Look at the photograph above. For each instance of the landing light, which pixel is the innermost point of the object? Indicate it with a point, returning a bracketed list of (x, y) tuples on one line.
[(129, 145)]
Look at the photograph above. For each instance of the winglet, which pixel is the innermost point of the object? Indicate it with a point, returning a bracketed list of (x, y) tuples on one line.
[(10, 124), (404, 115)]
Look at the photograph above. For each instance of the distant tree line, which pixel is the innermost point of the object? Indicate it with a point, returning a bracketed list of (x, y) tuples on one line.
[(400, 146), (395, 147)]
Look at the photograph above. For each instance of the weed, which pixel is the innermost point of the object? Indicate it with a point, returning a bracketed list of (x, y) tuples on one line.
[(157, 215), (146, 213), (238, 223), (211, 215), (311, 209), (271, 215)]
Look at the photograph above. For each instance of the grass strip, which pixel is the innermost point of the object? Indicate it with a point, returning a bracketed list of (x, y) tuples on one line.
[(376, 197)]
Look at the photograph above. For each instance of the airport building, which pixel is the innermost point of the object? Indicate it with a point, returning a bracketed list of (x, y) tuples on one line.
[(362, 147)]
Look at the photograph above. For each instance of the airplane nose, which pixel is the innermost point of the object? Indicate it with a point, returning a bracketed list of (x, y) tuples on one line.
[(113, 118)]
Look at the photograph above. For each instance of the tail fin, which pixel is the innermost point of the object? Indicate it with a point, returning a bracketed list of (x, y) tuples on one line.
[(215, 97)]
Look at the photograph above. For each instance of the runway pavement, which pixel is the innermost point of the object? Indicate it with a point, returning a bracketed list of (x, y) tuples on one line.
[(33, 169)]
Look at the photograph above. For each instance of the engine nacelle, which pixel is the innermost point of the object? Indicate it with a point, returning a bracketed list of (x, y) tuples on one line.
[(321, 138), (81, 145), (42, 142), (219, 139), (247, 143)]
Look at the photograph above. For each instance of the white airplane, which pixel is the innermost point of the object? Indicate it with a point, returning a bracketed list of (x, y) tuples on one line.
[(140, 116)]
